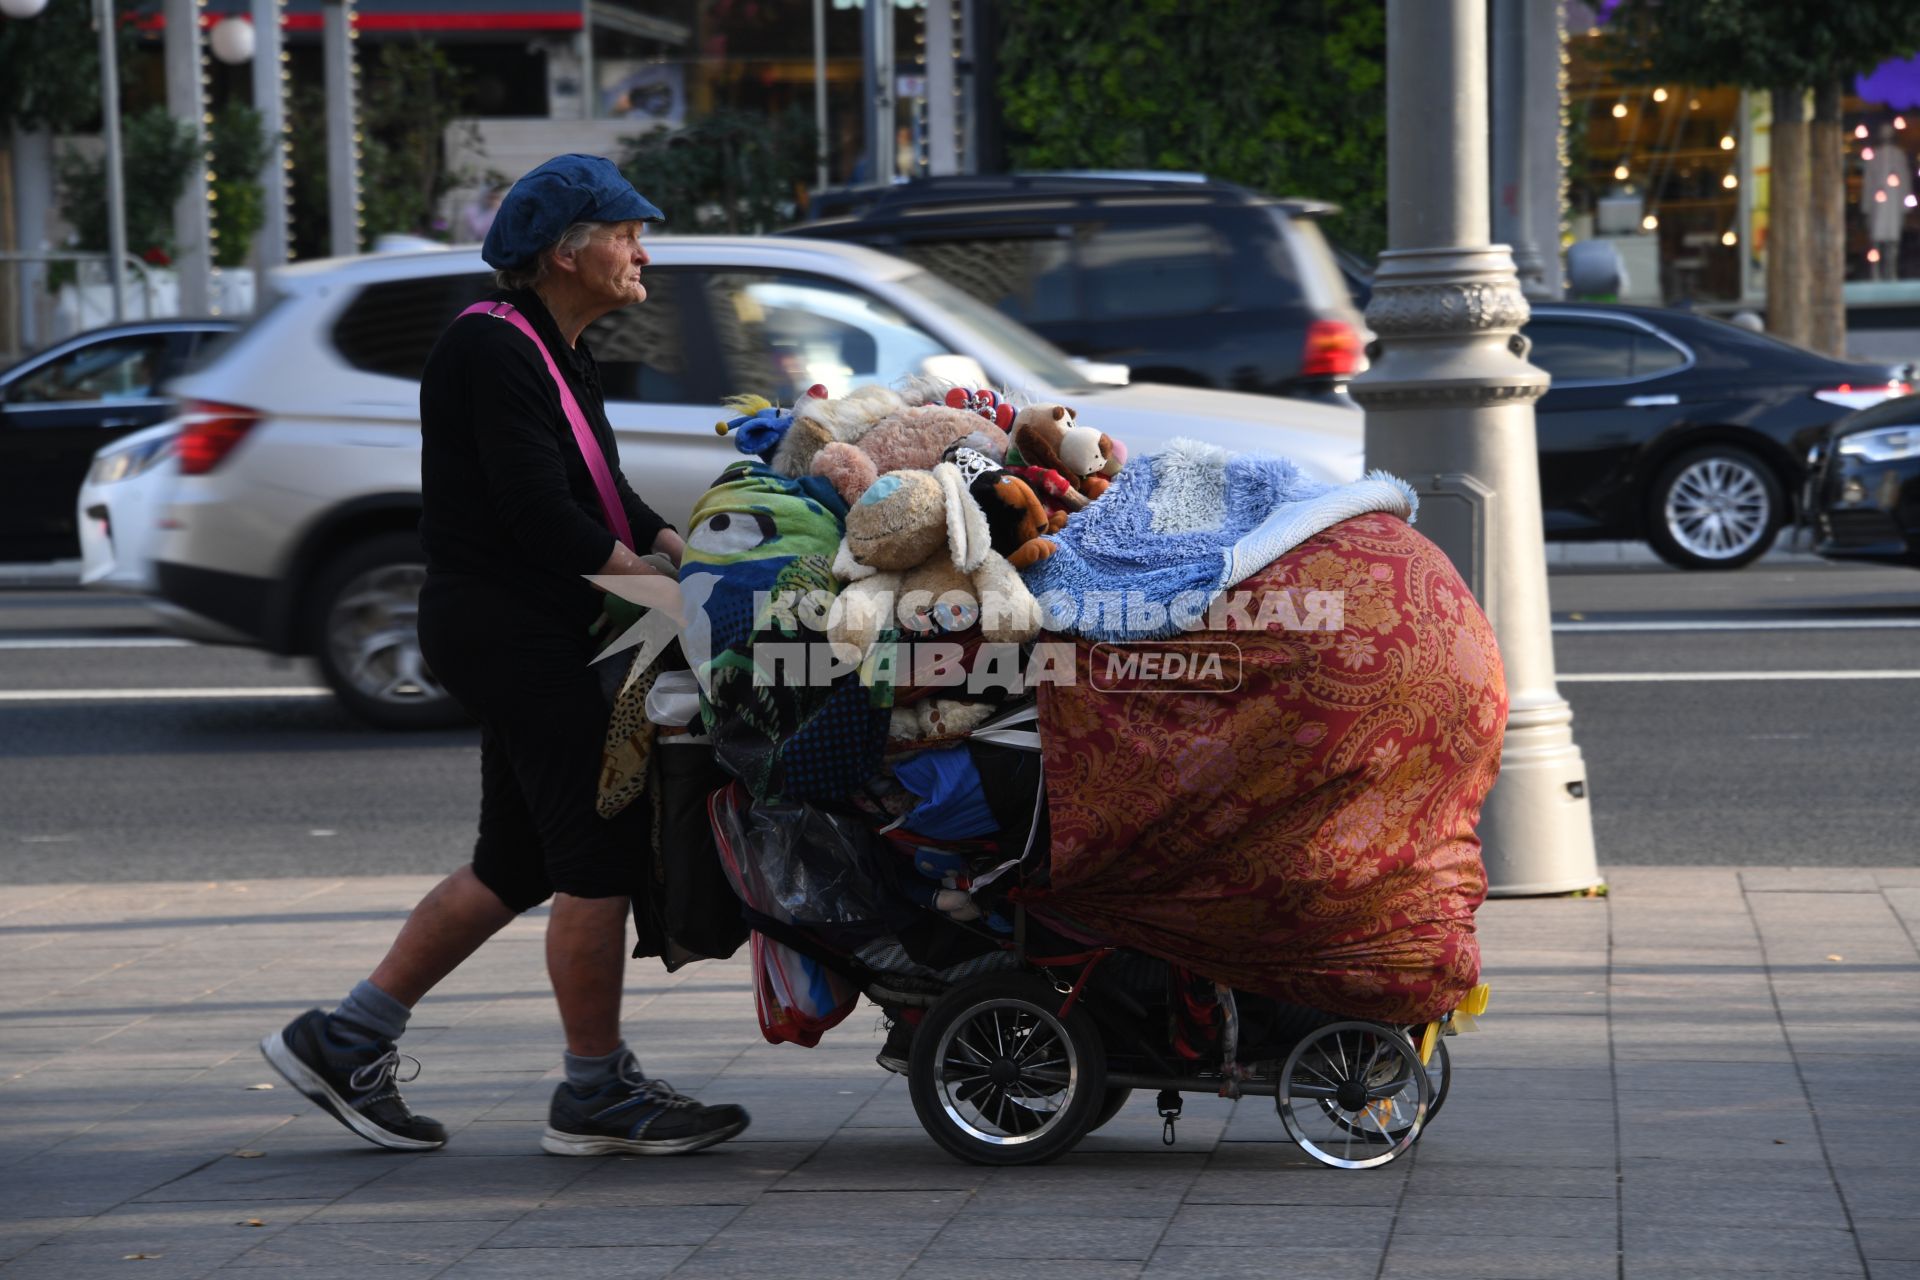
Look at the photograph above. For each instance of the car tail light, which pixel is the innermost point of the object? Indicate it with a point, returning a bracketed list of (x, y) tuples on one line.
[(1333, 350), (209, 433), (1862, 395)]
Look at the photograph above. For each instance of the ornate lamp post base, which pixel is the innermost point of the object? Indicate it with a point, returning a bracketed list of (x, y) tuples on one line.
[(1449, 401)]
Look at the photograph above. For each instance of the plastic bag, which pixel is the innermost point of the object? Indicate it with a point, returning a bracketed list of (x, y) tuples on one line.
[(797, 998), (693, 909), (801, 865)]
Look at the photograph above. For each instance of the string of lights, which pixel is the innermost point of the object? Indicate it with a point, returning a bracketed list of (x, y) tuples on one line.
[(209, 178)]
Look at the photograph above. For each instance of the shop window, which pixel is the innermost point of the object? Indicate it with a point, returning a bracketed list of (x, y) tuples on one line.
[(639, 350), (1170, 269), (780, 333)]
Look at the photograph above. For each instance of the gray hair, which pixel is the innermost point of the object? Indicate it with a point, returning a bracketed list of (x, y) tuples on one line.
[(529, 274)]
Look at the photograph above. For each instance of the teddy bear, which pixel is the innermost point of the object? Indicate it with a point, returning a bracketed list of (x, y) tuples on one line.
[(819, 421), (913, 437), (1046, 435), (893, 560)]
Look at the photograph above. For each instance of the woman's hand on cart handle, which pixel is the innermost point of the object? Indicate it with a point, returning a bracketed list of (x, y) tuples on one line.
[(632, 584)]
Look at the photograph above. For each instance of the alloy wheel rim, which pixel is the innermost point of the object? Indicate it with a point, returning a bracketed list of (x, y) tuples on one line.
[(374, 638), (1717, 509), (1354, 1095), (1007, 1072)]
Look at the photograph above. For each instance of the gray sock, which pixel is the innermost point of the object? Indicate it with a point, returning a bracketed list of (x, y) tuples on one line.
[(590, 1075), (369, 1015)]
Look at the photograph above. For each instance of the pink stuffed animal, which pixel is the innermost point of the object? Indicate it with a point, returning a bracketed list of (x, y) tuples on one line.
[(911, 439)]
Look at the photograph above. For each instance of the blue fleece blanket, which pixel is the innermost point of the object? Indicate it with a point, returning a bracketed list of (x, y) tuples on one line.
[(1184, 525)]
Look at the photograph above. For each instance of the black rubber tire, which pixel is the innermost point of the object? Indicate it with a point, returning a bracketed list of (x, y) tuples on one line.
[(1015, 995), (1661, 538), (1117, 1096), (388, 551), (1433, 1108)]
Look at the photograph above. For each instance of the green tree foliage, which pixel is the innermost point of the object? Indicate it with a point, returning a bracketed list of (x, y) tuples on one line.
[(408, 98), (158, 153), (50, 69), (409, 95), (240, 147), (307, 181), (731, 171), (1285, 96), (1760, 44)]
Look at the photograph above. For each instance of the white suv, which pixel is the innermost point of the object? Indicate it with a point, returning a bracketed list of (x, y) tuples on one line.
[(292, 523)]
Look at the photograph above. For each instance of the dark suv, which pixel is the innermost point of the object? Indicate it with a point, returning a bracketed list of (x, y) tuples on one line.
[(1181, 279), (1678, 429)]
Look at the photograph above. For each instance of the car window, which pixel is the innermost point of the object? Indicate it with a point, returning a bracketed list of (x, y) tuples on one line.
[(1166, 269), (1319, 273), (1016, 347), (1595, 351), (115, 369), (641, 351), (390, 327), (1574, 352), (781, 332), (1653, 355), (1027, 277)]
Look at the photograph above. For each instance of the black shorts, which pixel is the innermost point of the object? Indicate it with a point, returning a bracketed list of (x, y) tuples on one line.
[(543, 724)]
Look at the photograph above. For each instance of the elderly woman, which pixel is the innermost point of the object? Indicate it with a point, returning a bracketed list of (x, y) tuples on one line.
[(524, 500)]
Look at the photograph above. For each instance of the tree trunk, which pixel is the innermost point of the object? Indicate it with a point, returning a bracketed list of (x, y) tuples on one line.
[(1787, 274), (1827, 229)]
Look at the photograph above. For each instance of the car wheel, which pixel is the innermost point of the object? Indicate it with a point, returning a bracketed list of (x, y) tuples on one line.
[(1718, 507), (364, 632)]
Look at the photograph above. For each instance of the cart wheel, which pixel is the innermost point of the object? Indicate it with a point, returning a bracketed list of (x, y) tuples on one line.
[(1116, 1099), (1380, 1093), (1439, 1076), (998, 1077)]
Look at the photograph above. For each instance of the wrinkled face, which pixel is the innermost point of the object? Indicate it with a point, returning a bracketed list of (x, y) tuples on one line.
[(609, 264)]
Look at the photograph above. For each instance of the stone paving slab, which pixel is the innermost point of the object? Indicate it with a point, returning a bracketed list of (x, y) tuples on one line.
[(1668, 1085)]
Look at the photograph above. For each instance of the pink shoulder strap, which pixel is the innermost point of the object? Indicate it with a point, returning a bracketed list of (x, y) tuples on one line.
[(582, 433)]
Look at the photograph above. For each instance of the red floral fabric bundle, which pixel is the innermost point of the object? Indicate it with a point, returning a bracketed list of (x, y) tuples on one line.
[(1308, 835)]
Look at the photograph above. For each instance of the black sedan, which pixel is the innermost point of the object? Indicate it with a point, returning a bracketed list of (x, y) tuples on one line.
[(60, 405), (1863, 491), (1682, 430)]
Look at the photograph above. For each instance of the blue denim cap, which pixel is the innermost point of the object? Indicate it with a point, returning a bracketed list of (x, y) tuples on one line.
[(565, 190)]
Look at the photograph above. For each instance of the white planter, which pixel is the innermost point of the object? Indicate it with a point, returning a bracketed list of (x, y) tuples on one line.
[(233, 291), (89, 304)]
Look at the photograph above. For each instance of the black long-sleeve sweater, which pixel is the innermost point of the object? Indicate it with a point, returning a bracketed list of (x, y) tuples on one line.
[(507, 499)]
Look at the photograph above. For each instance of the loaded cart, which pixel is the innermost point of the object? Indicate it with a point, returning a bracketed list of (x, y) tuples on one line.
[(1037, 1038), (1229, 853)]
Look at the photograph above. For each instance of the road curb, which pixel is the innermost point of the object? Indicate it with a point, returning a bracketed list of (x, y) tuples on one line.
[(58, 573), (1580, 555)]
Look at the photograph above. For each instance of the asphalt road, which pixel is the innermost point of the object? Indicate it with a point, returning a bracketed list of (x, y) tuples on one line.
[(179, 762)]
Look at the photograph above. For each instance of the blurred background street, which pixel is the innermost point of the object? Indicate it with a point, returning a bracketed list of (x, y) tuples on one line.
[(125, 751)]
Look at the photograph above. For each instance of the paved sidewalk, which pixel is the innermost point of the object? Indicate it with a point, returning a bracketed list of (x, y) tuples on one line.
[(1708, 1074)]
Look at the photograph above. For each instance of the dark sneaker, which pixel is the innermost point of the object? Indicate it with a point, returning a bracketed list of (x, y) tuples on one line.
[(358, 1085), (635, 1117), (898, 1048)]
